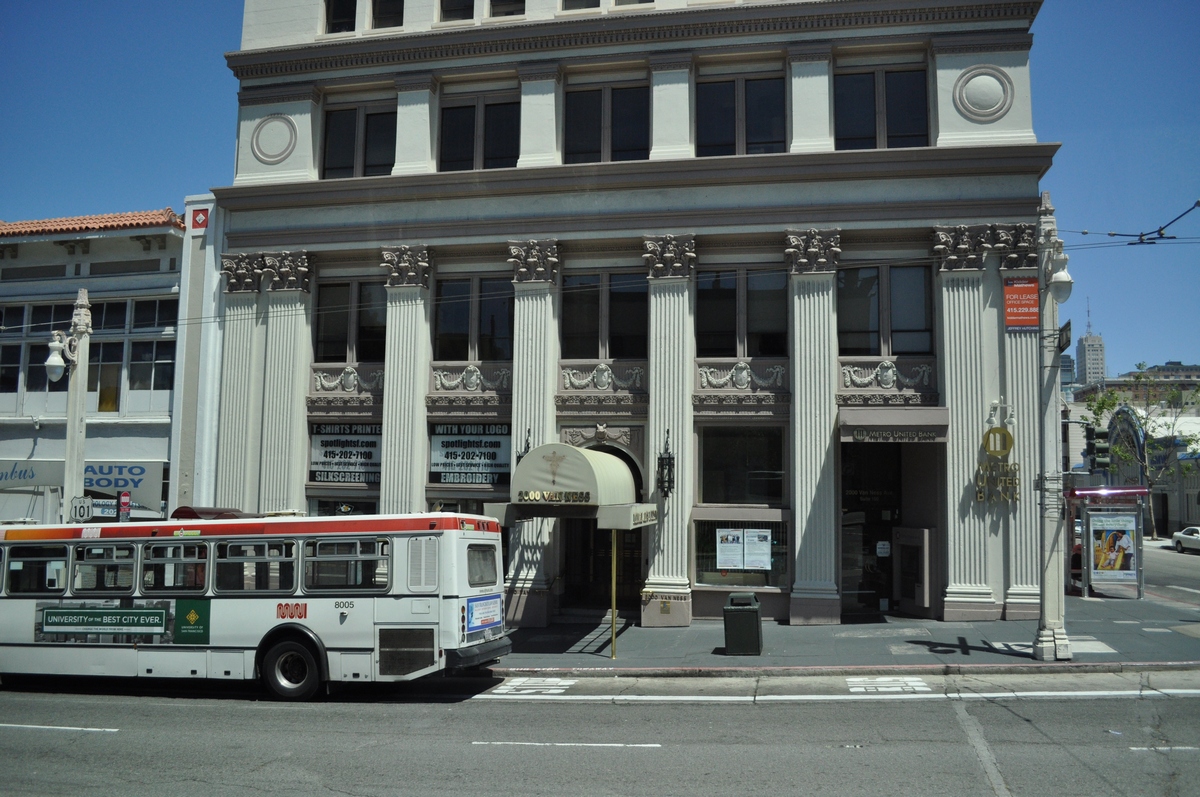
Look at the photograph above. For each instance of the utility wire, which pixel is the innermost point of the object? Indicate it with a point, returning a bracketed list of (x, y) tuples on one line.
[(1150, 236)]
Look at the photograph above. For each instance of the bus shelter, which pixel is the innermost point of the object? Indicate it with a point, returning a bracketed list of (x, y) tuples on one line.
[(1110, 535), (556, 480)]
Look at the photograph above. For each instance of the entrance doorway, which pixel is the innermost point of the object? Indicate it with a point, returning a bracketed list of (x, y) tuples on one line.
[(871, 489), (587, 567)]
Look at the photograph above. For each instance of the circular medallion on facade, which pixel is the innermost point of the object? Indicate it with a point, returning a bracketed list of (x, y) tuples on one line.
[(983, 93), (273, 139)]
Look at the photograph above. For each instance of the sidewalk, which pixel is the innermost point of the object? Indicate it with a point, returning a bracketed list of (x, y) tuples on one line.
[(1108, 634)]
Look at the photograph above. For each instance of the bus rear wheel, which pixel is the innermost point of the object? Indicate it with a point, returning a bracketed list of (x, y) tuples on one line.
[(289, 671)]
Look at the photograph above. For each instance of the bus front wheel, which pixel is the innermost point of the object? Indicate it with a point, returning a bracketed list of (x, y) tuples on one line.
[(289, 671)]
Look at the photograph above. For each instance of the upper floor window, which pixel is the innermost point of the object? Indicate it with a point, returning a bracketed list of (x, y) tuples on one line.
[(604, 316), (740, 116), (340, 15), (387, 13), (901, 326), (607, 124), (508, 8), (879, 108), (454, 10), (741, 313), (473, 320), (351, 323), (479, 133), (359, 142)]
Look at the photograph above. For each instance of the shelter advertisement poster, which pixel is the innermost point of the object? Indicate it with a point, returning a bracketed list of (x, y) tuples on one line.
[(470, 453), (730, 549), (1114, 546)]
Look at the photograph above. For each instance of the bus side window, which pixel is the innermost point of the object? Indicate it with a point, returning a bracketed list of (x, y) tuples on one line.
[(256, 567), (174, 567), (346, 565), (37, 569), (103, 568)]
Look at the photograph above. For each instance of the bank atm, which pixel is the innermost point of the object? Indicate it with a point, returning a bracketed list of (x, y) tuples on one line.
[(916, 571)]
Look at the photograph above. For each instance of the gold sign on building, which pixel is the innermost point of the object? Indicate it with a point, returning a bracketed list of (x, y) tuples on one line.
[(996, 479)]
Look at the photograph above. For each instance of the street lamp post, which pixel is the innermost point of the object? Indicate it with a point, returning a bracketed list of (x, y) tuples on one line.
[(1051, 642), (67, 353)]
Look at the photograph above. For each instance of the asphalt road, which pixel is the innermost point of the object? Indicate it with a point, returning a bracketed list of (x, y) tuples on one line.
[(1166, 568), (1064, 735)]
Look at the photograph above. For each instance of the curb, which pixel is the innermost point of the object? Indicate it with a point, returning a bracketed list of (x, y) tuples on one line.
[(866, 669)]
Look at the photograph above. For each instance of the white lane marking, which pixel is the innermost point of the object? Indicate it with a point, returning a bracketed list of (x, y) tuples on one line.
[(887, 684), (57, 728), (1172, 586), (987, 759), (1163, 749), (623, 698), (1157, 630), (957, 696), (564, 744), (533, 686), (1127, 622)]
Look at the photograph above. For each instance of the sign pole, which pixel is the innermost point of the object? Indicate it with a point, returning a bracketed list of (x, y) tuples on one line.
[(613, 647)]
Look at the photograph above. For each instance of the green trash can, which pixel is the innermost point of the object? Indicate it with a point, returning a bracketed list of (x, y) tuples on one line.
[(743, 625)]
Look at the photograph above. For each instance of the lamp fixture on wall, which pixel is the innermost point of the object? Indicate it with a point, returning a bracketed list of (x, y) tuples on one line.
[(666, 469)]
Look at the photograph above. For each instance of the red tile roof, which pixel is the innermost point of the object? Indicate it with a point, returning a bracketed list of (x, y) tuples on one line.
[(77, 224)]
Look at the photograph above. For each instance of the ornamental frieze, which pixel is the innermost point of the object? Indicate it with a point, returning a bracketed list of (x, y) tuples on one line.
[(886, 375), (406, 265), (471, 379), (534, 261), (600, 433), (348, 380), (669, 255), (602, 377), (740, 376), (812, 251)]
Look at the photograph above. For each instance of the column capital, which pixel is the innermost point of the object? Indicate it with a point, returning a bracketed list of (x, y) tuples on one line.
[(242, 272), (285, 271), (419, 81), (965, 247), (812, 251), (669, 255), (407, 265), (670, 61), (815, 51), (542, 70), (534, 260)]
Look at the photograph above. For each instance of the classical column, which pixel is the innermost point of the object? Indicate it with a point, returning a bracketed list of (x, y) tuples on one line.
[(1016, 246), (813, 257), (809, 75), (539, 115), (240, 418), (533, 557), (283, 450), (670, 106), (667, 596), (416, 111), (968, 391), (405, 447)]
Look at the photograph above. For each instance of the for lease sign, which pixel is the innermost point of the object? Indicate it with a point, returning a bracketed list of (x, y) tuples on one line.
[(1020, 303)]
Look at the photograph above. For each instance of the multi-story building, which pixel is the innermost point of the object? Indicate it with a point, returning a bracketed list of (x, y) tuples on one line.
[(1173, 385), (785, 256), (130, 265), (1089, 359)]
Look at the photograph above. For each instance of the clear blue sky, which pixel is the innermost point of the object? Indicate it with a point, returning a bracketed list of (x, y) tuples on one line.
[(116, 106)]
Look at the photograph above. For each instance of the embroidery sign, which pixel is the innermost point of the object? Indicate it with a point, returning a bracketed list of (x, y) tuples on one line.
[(470, 453)]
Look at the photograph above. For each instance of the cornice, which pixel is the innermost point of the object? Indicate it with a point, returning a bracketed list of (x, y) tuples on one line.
[(670, 29), (277, 93)]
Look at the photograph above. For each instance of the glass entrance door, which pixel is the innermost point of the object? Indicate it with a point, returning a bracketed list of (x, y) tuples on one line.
[(870, 509), (587, 563)]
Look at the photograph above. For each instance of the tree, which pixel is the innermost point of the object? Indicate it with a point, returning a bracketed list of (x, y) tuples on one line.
[(1148, 431)]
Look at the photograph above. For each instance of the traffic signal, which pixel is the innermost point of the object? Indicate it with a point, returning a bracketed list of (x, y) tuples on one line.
[(1102, 457), (1089, 452)]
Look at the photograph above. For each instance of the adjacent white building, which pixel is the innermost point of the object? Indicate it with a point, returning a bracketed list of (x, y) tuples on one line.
[(798, 247), (130, 264)]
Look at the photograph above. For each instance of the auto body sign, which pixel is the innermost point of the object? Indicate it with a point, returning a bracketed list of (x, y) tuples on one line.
[(142, 480)]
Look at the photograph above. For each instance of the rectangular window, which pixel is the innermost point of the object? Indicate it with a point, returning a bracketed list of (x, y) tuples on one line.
[(256, 567), (346, 565), (103, 568), (174, 567), (481, 566), (607, 124), (37, 569), (579, 5), (109, 315), (387, 13), (152, 365), (741, 313), (742, 116), (866, 117), (48, 317), (604, 316), (456, 10), (479, 134), (350, 323), (359, 142), (12, 319), (10, 368), (473, 320), (155, 313), (508, 8), (750, 533), (339, 15), (741, 465), (901, 326), (104, 374)]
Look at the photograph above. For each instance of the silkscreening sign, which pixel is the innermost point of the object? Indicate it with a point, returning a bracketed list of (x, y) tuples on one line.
[(344, 453), (470, 453)]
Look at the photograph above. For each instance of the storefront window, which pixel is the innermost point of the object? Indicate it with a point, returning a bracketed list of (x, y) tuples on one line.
[(741, 465), (740, 553)]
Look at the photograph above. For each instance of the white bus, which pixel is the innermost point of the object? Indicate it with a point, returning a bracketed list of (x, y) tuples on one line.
[(295, 602)]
